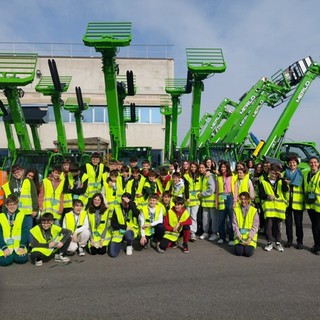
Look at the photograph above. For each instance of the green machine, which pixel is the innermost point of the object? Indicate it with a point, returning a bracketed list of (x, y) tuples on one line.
[(54, 86), (8, 129), (201, 62), (106, 38), (176, 88)]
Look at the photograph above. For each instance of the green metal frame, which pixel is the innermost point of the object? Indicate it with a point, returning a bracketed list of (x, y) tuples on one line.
[(17, 69), (106, 37), (201, 62)]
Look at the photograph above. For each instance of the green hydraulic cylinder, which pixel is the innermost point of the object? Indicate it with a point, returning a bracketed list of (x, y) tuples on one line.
[(166, 111), (35, 136), (106, 37), (47, 87), (17, 70), (201, 63), (8, 130)]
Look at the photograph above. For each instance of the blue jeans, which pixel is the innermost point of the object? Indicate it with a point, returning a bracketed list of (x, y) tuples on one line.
[(223, 214), (115, 247), (28, 220)]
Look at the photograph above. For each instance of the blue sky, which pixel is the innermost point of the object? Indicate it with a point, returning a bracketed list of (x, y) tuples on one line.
[(257, 38)]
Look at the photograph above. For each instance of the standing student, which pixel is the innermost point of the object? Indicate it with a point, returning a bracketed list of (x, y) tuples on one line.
[(135, 186), (245, 226), (13, 234), (77, 222), (49, 241)]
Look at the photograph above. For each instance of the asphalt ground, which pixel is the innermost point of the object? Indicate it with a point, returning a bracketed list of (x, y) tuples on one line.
[(208, 283)]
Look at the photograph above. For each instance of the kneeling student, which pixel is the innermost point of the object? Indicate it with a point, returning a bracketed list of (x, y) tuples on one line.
[(49, 241), (77, 222), (177, 224), (13, 233), (245, 226)]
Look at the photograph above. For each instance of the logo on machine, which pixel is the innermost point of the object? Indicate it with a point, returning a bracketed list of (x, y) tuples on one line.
[(245, 107), (303, 91)]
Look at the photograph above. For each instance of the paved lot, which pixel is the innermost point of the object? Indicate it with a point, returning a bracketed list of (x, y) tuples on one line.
[(208, 283)]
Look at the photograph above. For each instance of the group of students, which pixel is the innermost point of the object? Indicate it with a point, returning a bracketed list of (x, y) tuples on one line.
[(99, 210)]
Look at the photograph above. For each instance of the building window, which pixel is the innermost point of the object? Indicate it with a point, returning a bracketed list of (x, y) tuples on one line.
[(99, 114)]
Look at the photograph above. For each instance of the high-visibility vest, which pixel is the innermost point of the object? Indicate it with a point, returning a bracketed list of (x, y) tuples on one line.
[(51, 199), (113, 194), (220, 185), (194, 190), (312, 186), (245, 224), (71, 221), (131, 222), (101, 231), (173, 221), (38, 235), (274, 208), (150, 218), (207, 201), (68, 197), (3, 180), (94, 182), (142, 180), (25, 199), (11, 235)]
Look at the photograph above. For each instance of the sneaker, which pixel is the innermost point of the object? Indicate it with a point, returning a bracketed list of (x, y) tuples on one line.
[(268, 247), (159, 249), (288, 244), (174, 245), (38, 263), (204, 236), (279, 247), (185, 248), (231, 243), (60, 258), (220, 241), (129, 250), (213, 237), (299, 246), (81, 252), (193, 237)]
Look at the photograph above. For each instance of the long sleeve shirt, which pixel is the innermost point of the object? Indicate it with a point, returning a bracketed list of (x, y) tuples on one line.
[(152, 224), (47, 235)]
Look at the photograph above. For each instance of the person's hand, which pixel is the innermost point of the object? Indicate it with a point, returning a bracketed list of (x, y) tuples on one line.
[(6, 252), (75, 237), (271, 197), (128, 228), (188, 200), (125, 199), (34, 214), (176, 228), (52, 244), (22, 251), (139, 195), (247, 242), (146, 225), (143, 241), (101, 242), (59, 244)]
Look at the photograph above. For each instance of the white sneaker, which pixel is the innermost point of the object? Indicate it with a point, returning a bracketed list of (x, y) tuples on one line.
[(231, 243), (193, 237), (268, 247), (220, 241), (129, 250), (279, 247), (38, 263), (159, 249), (204, 236), (213, 237), (60, 258), (81, 252)]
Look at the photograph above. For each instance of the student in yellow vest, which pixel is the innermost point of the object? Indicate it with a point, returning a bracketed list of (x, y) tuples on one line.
[(163, 180), (77, 222), (94, 170), (224, 201), (99, 224), (49, 241), (3, 180), (257, 202), (151, 222), (177, 186), (125, 227), (65, 167), (75, 187), (135, 186), (123, 178), (192, 184), (111, 190), (51, 195), (294, 180), (150, 185), (145, 168), (312, 200), (242, 183), (177, 224), (245, 226), (14, 234), (26, 191), (208, 204), (274, 205)]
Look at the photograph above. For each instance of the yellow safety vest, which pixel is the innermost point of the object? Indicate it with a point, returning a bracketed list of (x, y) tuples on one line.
[(113, 194), (149, 218), (71, 221), (25, 199), (220, 185), (312, 186), (11, 235), (194, 190), (245, 224), (207, 201), (103, 230), (55, 236), (3, 180), (68, 198), (173, 221), (94, 183), (51, 199), (138, 201), (274, 208)]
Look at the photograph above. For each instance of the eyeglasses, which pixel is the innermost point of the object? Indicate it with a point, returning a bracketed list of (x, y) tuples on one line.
[(46, 221)]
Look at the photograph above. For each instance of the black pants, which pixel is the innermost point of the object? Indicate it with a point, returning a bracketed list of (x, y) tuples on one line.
[(241, 250), (298, 218), (94, 250), (315, 225)]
